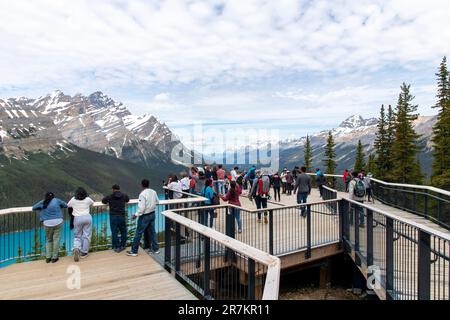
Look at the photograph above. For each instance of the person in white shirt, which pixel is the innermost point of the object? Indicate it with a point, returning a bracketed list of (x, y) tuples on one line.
[(185, 183), (175, 186), (146, 214), (234, 174), (80, 206)]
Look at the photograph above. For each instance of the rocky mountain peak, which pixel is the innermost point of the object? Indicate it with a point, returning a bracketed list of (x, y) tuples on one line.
[(357, 121)]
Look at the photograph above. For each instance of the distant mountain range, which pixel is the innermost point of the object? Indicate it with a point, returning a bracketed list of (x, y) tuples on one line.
[(59, 127), (346, 137)]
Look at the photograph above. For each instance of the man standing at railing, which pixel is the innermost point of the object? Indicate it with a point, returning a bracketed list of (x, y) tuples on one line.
[(117, 217), (146, 212), (320, 180), (303, 186)]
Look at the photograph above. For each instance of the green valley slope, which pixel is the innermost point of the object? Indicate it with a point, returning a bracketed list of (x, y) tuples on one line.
[(24, 182)]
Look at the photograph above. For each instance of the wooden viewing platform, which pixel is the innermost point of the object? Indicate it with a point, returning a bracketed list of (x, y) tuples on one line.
[(108, 275), (104, 275)]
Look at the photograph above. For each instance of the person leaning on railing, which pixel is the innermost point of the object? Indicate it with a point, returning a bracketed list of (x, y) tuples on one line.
[(81, 204), (52, 218), (117, 217), (146, 215)]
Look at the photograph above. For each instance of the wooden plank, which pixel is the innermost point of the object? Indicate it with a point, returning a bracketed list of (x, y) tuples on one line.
[(104, 275)]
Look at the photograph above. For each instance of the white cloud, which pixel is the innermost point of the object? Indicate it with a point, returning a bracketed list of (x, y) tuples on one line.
[(141, 42)]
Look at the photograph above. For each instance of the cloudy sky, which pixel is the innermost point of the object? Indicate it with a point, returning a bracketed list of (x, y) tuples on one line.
[(298, 66)]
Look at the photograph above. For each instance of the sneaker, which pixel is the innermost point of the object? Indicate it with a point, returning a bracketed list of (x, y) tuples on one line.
[(116, 250), (155, 252), (266, 221), (48, 260), (84, 255), (240, 231), (131, 254), (55, 260), (259, 220), (76, 255)]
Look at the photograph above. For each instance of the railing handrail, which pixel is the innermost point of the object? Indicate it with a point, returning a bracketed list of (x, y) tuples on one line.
[(409, 222), (271, 287), (430, 188), (403, 185), (194, 199)]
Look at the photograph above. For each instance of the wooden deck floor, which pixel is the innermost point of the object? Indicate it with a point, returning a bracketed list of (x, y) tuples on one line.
[(104, 275)]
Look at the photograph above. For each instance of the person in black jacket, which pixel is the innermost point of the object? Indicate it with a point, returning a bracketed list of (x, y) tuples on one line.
[(276, 185), (117, 217)]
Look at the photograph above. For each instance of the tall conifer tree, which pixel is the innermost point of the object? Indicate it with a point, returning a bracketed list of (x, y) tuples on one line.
[(308, 154), (441, 131), (406, 168)]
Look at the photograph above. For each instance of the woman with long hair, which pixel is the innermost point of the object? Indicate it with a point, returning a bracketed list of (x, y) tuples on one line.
[(52, 218), (82, 223), (232, 197)]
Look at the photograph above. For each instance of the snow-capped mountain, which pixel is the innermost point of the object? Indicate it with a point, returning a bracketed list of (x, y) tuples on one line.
[(95, 122), (346, 136)]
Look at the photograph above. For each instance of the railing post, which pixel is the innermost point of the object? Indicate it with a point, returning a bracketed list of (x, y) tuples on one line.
[(356, 219), (308, 232), (369, 225), (271, 232), (177, 250), (426, 203), (389, 258), (207, 271), (168, 245), (251, 279), (342, 235), (423, 274)]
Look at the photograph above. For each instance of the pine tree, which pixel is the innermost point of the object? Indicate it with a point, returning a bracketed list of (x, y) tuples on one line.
[(381, 146), (371, 164), (441, 131), (406, 169), (390, 137), (308, 154), (359, 161), (330, 154)]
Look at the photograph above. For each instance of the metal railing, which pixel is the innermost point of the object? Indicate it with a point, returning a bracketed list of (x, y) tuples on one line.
[(429, 202), (281, 230), (22, 236), (217, 266), (333, 181), (408, 260)]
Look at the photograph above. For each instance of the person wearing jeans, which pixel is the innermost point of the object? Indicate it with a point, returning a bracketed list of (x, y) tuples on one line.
[(117, 217), (232, 197), (118, 224), (146, 214), (303, 187), (52, 218)]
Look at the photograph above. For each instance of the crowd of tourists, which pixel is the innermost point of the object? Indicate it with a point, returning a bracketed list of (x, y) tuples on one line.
[(214, 184), (79, 207)]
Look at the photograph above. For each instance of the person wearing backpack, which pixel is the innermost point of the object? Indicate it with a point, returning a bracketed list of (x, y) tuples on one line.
[(303, 186), (251, 175), (320, 181), (369, 187), (208, 193), (357, 192), (276, 184), (260, 192)]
